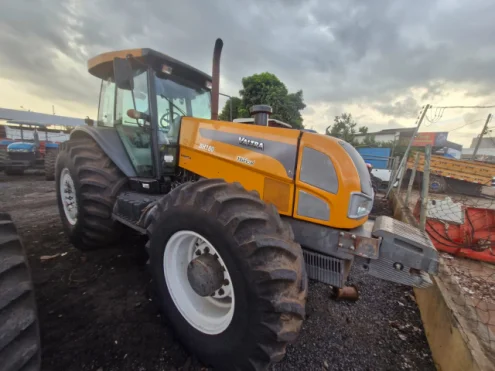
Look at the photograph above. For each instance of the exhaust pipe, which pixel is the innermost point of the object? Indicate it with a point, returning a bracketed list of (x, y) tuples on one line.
[(261, 113), (215, 88)]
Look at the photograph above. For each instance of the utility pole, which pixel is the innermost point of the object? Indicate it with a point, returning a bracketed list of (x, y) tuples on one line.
[(488, 118), (403, 162)]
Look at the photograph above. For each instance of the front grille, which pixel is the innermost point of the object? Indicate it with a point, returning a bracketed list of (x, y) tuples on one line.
[(324, 268), (22, 156)]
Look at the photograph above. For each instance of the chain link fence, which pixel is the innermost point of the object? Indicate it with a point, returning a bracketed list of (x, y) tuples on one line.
[(460, 222)]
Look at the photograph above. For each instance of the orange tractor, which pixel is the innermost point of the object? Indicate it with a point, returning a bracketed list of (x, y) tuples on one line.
[(238, 216)]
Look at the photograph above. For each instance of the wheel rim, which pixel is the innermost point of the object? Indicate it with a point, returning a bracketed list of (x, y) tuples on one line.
[(68, 195), (210, 315)]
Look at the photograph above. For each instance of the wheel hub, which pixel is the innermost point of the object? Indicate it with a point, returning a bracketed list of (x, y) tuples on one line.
[(205, 275), (68, 195), (198, 282)]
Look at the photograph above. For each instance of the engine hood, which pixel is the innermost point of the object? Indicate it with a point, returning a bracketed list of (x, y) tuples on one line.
[(21, 147)]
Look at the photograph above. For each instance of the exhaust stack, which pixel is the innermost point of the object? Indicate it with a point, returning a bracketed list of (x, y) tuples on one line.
[(215, 88), (261, 113)]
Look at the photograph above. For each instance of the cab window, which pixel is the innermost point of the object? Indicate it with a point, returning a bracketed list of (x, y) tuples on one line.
[(107, 103)]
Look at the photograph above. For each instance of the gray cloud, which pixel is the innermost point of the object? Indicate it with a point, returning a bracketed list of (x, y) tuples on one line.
[(337, 52), (407, 108)]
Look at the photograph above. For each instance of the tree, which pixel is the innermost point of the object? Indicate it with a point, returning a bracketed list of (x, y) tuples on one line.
[(363, 130), (344, 127), (236, 106), (266, 88)]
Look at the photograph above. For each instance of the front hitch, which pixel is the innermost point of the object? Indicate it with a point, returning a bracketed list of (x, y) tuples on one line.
[(385, 248)]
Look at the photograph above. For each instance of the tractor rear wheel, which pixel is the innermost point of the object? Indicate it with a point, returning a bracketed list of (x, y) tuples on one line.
[(229, 276), (19, 332), (87, 184), (50, 160)]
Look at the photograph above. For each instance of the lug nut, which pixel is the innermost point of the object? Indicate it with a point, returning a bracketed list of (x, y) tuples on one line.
[(221, 292), (353, 236)]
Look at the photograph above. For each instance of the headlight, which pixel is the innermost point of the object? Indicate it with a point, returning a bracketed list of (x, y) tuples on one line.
[(360, 205)]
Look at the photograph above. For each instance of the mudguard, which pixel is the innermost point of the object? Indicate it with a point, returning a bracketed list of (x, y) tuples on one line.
[(109, 141), (51, 146)]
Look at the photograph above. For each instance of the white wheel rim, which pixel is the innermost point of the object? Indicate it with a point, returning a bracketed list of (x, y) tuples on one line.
[(68, 195), (210, 315)]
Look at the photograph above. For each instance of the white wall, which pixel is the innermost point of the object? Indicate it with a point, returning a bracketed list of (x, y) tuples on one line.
[(378, 138)]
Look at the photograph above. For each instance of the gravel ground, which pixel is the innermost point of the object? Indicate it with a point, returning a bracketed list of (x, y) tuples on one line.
[(97, 312)]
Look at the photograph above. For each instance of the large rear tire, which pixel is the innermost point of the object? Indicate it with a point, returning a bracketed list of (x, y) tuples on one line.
[(264, 287), (87, 183), (19, 332), (50, 160)]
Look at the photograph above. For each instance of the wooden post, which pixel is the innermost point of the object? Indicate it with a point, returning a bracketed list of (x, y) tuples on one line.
[(424, 188), (411, 180)]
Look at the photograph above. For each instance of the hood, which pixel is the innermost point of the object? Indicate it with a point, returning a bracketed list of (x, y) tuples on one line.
[(21, 147), (5, 142)]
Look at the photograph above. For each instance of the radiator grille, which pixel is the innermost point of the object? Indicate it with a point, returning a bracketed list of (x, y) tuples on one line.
[(324, 268)]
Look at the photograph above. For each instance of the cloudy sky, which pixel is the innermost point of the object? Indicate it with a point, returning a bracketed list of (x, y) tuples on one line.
[(380, 60)]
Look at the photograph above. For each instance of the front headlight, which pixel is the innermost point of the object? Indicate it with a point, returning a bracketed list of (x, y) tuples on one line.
[(360, 205)]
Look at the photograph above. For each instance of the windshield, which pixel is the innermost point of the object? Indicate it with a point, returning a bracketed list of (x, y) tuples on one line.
[(176, 99)]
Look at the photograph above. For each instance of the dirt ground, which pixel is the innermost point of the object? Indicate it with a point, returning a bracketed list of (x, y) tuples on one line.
[(97, 311)]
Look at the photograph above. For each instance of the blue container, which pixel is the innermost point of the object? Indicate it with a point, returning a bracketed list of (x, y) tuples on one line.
[(378, 157)]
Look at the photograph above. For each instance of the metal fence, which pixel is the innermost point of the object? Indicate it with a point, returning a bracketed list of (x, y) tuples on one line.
[(462, 228)]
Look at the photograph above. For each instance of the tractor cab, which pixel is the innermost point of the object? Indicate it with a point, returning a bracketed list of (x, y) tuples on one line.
[(144, 95)]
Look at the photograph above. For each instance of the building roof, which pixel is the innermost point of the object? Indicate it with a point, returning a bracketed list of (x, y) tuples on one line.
[(38, 119), (390, 131)]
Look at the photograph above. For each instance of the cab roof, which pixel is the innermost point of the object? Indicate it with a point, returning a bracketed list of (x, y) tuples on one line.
[(101, 66)]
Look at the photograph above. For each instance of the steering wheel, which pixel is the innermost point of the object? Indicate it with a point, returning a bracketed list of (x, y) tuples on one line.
[(165, 120)]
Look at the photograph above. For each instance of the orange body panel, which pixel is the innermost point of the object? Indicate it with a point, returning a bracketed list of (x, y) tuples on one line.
[(202, 154), (348, 181), (213, 149)]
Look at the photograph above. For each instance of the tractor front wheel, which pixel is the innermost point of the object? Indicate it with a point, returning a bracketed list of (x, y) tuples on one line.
[(229, 276), (88, 183)]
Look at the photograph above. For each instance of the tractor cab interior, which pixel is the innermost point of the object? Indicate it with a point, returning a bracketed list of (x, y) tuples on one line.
[(159, 94)]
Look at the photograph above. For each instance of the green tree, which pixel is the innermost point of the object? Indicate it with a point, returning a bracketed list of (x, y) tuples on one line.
[(344, 127), (266, 88), (236, 106)]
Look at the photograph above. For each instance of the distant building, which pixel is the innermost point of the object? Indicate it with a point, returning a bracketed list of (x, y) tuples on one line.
[(486, 142), (486, 150), (387, 135)]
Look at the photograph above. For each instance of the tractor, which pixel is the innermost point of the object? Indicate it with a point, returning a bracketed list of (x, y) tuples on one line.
[(237, 216), (30, 153)]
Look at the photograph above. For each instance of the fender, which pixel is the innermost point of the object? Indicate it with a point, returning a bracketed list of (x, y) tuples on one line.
[(109, 141), (51, 146)]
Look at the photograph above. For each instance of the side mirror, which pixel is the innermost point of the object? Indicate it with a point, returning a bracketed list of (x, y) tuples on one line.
[(122, 73)]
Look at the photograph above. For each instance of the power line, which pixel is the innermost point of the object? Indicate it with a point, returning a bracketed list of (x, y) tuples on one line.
[(460, 127), (463, 107)]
